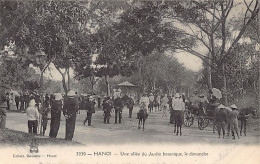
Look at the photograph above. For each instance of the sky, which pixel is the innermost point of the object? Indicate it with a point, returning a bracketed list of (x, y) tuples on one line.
[(189, 61)]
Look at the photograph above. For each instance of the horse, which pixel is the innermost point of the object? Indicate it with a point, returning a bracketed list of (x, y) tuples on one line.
[(142, 116), (243, 117), (178, 120)]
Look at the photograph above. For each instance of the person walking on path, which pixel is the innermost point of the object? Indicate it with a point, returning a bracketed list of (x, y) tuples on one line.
[(45, 113), (99, 101), (22, 101), (33, 116), (26, 99), (171, 100), (56, 109), (7, 98), (118, 103), (107, 107), (164, 105), (151, 101), (17, 100), (90, 108), (70, 111), (130, 106), (144, 100), (3, 107), (179, 106), (157, 103), (234, 120)]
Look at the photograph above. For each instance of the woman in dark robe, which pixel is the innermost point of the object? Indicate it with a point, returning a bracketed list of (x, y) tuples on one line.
[(56, 109)]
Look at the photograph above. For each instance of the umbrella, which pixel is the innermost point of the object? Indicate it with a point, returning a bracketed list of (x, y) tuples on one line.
[(126, 84), (216, 92)]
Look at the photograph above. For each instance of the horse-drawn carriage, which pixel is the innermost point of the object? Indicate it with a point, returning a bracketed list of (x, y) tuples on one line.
[(203, 113)]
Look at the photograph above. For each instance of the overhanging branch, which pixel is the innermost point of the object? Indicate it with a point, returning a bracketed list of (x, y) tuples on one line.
[(254, 14)]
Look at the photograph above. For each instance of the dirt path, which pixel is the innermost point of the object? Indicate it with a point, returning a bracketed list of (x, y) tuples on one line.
[(157, 130)]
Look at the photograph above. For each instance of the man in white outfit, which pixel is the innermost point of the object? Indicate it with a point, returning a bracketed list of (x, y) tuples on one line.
[(144, 99), (164, 105), (178, 107)]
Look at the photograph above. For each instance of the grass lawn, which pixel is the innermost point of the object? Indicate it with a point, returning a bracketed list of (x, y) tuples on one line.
[(12, 137)]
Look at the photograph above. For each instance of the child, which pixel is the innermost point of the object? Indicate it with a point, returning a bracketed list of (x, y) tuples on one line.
[(33, 116)]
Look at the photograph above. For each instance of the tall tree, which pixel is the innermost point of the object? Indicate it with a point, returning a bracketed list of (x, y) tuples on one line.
[(210, 23)]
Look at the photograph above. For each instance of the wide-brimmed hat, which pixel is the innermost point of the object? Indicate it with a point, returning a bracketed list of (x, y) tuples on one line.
[(71, 93), (58, 96), (221, 106), (229, 109), (177, 95), (32, 103), (201, 95), (233, 106)]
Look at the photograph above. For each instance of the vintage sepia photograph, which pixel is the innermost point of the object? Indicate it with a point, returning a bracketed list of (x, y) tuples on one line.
[(130, 81)]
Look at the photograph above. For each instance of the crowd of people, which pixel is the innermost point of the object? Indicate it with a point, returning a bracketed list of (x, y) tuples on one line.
[(69, 105)]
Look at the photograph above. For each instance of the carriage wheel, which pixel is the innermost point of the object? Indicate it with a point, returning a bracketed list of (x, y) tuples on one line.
[(206, 122), (188, 118), (201, 122)]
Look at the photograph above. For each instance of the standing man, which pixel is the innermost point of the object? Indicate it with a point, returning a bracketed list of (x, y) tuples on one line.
[(234, 120), (118, 103), (33, 116), (151, 100), (17, 100), (171, 99), (26, 99), (179, 106), (144, 100), (164, 105), (45, 112), (22, 101), (52, 97), (90, 108), (157, 102), (107, 106), (7, 98), (70, 109), (3, 106), (56, 109), (99, 101), (130, 105)]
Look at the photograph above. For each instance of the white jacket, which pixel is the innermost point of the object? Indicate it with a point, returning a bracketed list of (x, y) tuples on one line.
[(144, 100), (178, 104), (32, 113)]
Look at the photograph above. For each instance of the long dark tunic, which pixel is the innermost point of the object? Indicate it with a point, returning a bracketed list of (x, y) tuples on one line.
[(70, 109), (55, 118)]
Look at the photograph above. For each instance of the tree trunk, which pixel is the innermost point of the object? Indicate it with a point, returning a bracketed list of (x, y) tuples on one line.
[(92, 82), (107, 84), (224, 85), (68, 72), (209, 75), (188, 93), (64, 84)]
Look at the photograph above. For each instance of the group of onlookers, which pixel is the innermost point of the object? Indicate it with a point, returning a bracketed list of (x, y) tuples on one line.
[(57, 103), (54, 104), (174, 104), (19, 101)]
